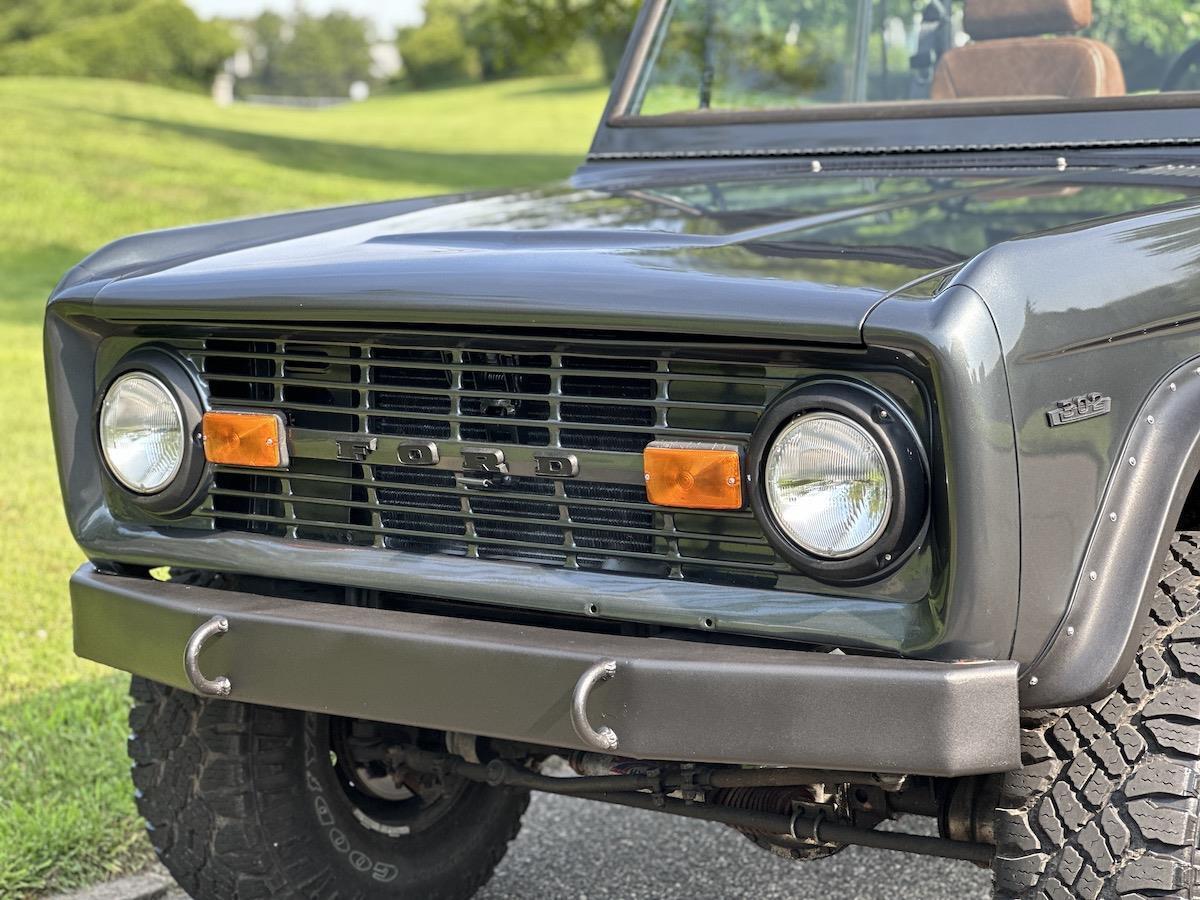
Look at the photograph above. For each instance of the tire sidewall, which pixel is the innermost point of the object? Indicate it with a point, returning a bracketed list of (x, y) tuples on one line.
[(245, 801), (377, 864)]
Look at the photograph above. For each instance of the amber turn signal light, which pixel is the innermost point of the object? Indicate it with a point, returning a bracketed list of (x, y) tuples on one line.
[(693, 476), (245, 439)]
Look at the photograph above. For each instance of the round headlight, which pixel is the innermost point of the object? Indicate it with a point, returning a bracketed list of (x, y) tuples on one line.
[(828, 485), (142, 432)]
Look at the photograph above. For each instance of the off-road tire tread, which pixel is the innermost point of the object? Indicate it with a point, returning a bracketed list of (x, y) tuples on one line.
[(210, 783), (1107, 805)]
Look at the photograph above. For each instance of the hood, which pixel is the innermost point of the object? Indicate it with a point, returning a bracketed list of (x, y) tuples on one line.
[(802, 257)]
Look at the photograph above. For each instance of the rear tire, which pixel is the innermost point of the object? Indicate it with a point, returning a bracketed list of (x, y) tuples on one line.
[(1106, 804), (246, 801)]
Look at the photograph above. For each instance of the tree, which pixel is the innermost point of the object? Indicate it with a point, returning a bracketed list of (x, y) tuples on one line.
[(309, 56), (267, 36), (21, 20), (437, 52), (160, 41), (1147, 35), (501, 38), (552, 27)]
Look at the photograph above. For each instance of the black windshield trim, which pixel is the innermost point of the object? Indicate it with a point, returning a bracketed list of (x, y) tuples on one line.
[(913, 149), (909, 109)]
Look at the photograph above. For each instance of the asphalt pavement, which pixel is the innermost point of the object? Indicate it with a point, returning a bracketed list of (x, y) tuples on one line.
[(572, 849)]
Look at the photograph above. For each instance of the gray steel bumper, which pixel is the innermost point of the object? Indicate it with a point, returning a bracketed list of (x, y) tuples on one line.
[(671, 699)]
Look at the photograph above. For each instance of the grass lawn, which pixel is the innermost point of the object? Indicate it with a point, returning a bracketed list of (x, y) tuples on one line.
[(83, 162)]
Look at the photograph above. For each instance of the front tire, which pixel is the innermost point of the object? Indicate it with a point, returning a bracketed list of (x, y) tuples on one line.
[(1107, 802), (245, 801)]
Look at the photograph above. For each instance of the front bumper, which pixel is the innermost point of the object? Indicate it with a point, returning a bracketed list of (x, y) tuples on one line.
[(671, 699)]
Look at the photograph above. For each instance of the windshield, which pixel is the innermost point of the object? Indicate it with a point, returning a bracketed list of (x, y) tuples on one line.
[(822, 55)]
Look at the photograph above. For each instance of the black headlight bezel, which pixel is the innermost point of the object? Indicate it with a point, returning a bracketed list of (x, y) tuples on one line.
[(185, 491), (903, 454)]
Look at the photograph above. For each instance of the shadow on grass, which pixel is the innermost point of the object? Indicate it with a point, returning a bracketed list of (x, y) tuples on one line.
[(26, 279), (66, 809), (454, 170)]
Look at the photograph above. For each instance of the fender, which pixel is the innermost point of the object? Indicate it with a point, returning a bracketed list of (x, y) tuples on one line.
[(1109, 307), (1095, 642), (974, 461)]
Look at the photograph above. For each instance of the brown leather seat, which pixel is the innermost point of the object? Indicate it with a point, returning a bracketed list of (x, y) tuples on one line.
[(1010, 57)]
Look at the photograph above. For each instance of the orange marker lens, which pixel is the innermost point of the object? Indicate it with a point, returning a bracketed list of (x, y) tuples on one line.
[(693, 476), (244, 439)]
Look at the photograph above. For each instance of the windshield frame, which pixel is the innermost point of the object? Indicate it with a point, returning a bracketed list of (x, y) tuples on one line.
[(906, 126)]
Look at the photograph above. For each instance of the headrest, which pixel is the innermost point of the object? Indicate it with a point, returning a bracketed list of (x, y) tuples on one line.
[(987, 20)]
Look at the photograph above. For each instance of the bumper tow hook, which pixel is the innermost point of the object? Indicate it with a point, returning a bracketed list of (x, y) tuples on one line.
[(212, 687), (603, 738)]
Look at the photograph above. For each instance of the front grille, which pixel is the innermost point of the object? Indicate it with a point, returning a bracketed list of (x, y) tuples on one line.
[(599, 399)]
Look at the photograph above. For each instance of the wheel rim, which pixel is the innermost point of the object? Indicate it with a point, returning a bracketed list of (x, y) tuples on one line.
[(390, 801)]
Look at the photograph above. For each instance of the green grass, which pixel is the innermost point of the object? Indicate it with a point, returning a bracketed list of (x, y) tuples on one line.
[(83, 162)]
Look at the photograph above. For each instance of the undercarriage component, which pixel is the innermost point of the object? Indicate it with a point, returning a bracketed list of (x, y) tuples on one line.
[(801, 827), (785, 801), (638, 775), (780, 809), (583, 763), (968, 810)]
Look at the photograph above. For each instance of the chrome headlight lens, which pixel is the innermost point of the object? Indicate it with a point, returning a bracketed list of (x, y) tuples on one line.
[(828, 485), (142, 433)]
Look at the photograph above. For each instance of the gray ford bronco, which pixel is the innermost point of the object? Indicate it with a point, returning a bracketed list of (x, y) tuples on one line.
[(825, 452)]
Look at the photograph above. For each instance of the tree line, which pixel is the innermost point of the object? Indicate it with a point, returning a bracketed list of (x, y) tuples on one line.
[(164, 42), (160, 41), (467, 40)]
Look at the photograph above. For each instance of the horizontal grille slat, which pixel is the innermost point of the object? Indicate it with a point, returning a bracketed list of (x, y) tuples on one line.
[(320, 524), (457, 492), (435, 393), (456, 367), (601, 398), (378, 414), (513, 515)]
